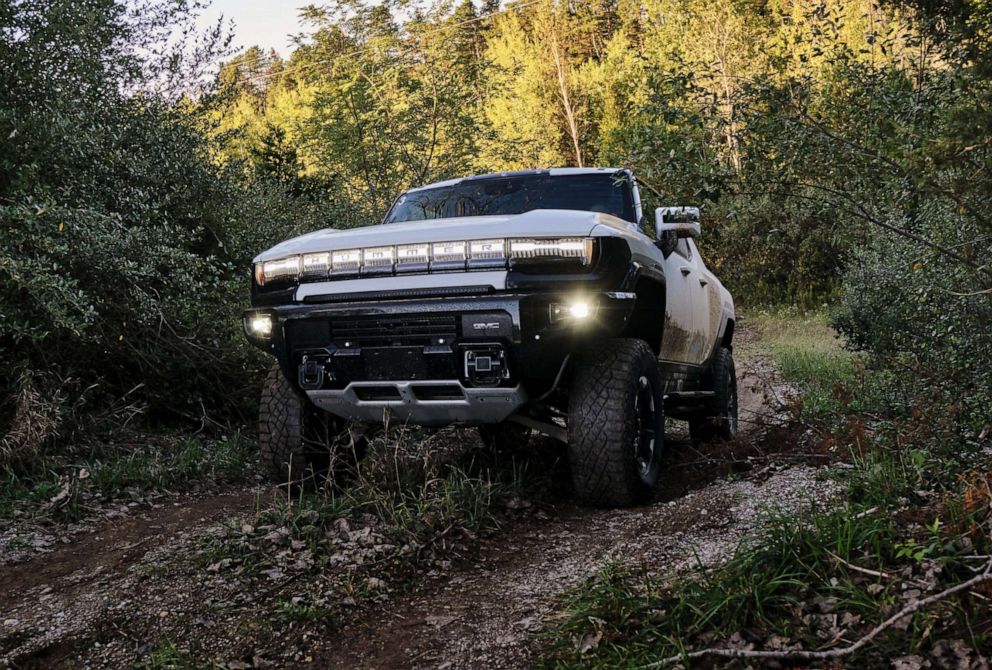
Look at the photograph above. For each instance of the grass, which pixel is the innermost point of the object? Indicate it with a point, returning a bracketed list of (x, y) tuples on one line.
[(169, 656), (810, 354), (793, 583), (162, 463)]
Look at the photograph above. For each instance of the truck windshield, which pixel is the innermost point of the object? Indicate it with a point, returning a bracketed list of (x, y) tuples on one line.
[(607, 192)]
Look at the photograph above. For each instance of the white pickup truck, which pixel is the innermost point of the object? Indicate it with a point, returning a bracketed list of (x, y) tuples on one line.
[(540, 300)]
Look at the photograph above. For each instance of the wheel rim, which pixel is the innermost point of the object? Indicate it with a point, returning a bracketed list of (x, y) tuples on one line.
[(645, 416)]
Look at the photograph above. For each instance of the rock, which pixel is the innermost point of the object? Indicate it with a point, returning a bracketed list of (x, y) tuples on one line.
[(342, 527), (590, 642), (911, 662)]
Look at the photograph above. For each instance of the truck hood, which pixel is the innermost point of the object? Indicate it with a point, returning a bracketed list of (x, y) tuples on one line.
[(536, 223)]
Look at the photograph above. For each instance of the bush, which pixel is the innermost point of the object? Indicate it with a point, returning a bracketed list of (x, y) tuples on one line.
[(124, 250), (907, 309)]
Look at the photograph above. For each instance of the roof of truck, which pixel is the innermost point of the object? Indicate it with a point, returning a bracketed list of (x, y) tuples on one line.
[(554, 172)]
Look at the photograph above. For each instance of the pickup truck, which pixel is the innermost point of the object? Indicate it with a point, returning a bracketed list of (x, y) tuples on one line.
[(539, 300)]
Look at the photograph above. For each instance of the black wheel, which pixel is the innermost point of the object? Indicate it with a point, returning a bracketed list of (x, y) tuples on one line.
[(717, 420), (504, 438), (616, 424), (298, 442)]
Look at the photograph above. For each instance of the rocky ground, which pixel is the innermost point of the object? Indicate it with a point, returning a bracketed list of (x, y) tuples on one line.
[(149, 585)]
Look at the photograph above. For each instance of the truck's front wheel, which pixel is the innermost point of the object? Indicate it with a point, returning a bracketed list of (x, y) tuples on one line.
[(616, 424), (298, 442)]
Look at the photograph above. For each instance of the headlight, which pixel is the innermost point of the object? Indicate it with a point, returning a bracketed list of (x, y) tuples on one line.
[(437, 256), (378, 259), (268, 272)]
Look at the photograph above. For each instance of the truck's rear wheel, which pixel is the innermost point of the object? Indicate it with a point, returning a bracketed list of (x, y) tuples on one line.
[(616, 424), (717, 420), (298, 442)]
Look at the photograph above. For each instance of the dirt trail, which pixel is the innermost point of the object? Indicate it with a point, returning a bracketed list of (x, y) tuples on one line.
[(114, 547), (480, 617), (60, 596), (116, 590)]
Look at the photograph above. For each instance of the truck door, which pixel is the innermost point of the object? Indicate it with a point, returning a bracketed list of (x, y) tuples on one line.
[(677, 342), (690, 337), (707, 312)]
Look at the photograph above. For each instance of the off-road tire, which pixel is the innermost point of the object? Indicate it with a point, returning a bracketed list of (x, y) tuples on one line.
[(604, 424), (506, 438), (299, 443), (716, 421)]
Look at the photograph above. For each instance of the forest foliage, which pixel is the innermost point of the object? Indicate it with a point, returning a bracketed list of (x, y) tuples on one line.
[(839, 150)]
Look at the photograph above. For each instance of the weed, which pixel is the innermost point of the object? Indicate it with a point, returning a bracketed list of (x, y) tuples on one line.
[(168, 656), (297, 610)]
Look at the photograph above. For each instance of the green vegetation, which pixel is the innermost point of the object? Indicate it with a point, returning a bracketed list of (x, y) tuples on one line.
[(169, 656), (796, 587), (416, 485), (810, 354)]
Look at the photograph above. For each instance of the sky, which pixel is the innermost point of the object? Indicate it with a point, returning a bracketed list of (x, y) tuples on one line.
[(267, 23)]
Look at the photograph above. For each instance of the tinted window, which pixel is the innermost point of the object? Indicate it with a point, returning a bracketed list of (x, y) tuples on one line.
[(683, 248), (607, 193)]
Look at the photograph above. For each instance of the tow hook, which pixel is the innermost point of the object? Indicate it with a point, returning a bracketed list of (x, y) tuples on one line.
[(311, 374)]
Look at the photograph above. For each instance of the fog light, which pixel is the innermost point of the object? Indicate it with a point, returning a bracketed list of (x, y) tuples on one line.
[(579, 310), (261, 325)]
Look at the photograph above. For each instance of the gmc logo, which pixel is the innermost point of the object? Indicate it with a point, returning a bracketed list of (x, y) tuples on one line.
[(492, 325)]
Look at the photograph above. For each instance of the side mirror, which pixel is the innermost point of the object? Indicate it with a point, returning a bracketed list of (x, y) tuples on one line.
[(683, 221)]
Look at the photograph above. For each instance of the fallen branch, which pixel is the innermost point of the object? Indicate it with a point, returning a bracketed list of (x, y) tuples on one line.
[(858, 568), (802, 655)]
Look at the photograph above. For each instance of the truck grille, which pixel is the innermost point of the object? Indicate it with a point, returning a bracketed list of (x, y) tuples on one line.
[(374, 331)]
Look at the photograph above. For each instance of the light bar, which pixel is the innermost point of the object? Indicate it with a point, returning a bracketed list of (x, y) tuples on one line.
[(479, 250), (409, 256), (553, 248), (316, 264), (448, 252), (438, 256), (378, 259), (346, 262)]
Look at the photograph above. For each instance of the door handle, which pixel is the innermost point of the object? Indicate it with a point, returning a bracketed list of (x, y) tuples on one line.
[(703, 282), (685, 270)]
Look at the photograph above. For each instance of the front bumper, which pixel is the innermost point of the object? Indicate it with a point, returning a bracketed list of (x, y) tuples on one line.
[(413, 358), (426, 403)]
